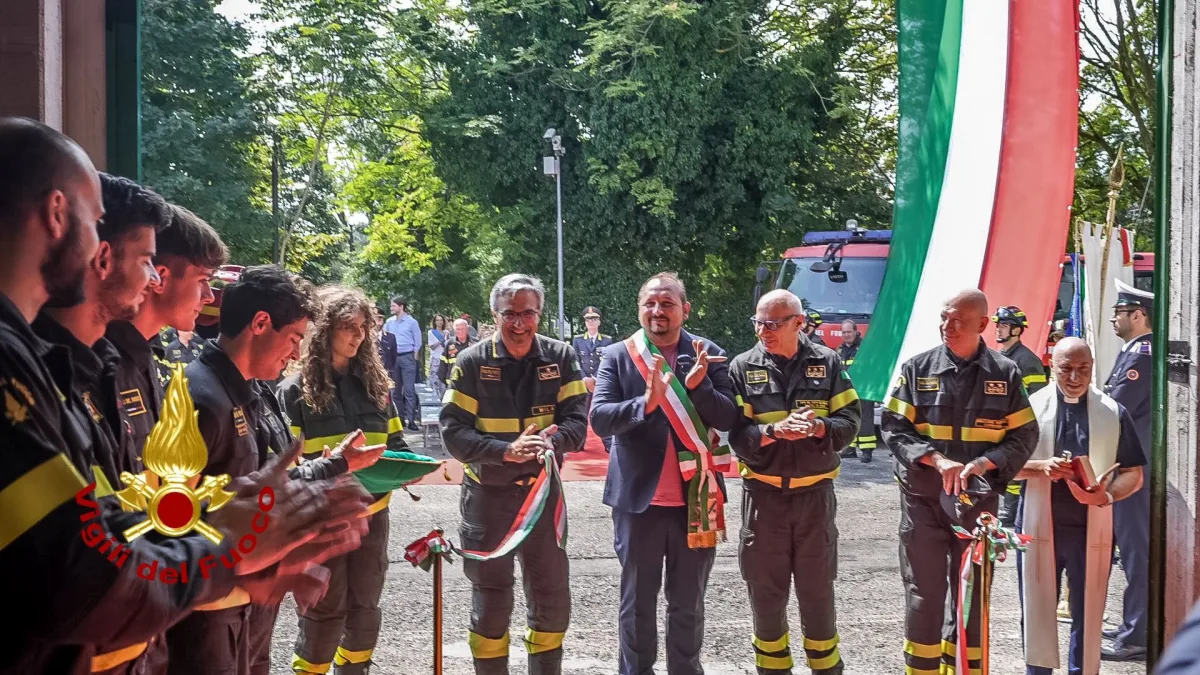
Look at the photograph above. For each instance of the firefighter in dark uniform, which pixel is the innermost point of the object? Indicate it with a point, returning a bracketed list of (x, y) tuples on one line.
[(342, 387), (799, 407), (1011, 323), (812, 320), (1130, 385), (139, 387), (590, 347), (865, 442), (455, 346), (957, 411), (175, 349), (509, 400)]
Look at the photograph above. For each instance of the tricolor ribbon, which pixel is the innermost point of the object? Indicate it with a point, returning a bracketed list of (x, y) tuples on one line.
[(422, 552), (989, 542), (531, 511)]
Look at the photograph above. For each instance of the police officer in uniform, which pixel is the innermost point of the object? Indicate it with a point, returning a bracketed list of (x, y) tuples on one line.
[(865, 442), (798, 407), (812, 321), (509, 400), (1011, 323), (1130, 385), (957, 411), (590, 347)]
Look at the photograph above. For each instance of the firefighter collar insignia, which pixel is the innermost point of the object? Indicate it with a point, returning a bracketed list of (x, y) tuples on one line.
[(549, 372), (87, 401), (814, 371), (490, 373), (995, 388), (239, 421), (175, 454), (1133, 374), (16, 408), (929, 384), (757, 377)]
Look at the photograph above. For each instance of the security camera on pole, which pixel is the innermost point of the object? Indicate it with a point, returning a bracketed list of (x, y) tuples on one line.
[(552, 166)]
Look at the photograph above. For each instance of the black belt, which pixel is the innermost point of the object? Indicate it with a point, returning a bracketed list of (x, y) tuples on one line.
[(404, 354)]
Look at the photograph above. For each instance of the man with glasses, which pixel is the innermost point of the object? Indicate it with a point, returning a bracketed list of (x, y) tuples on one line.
[(1129, 385), (510, 402), (798, 409)]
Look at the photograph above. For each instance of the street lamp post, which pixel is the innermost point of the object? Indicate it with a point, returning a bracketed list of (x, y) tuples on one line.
[(552, 166)]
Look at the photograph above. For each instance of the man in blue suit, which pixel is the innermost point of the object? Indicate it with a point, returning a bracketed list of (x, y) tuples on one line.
[(645, 486)]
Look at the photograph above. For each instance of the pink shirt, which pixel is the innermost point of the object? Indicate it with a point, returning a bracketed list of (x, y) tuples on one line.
[(669, 491)]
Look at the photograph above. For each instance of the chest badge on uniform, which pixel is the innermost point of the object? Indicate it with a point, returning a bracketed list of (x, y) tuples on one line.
[(489, 373), (87, 401), (984, 423), (549, 372), (1133, 374), (929, 384), (995, 388), (131, 402), (757, 377), (239, 422), (814, 371), (539, 410)]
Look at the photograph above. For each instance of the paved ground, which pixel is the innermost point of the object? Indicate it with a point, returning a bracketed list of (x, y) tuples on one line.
[(870, 597)]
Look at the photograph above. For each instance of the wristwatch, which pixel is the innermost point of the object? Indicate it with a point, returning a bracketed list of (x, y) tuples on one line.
[(769, 432)]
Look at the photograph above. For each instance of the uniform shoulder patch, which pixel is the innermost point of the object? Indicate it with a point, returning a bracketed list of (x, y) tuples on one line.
[(549, 372), (1144, 347), (489, 373), (995, 387), (757, 377), (814, 371), (927, 383)]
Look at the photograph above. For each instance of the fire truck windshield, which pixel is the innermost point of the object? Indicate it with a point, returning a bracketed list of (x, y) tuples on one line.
[(855, 297)]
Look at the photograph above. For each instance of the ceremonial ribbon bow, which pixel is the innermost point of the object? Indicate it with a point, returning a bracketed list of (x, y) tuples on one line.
[(989, 542), (531, 512)]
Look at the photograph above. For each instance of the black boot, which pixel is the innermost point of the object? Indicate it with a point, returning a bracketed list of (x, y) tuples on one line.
[(866, 456)]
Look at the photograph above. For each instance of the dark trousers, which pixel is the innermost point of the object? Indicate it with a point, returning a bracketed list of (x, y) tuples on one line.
[(866, 430), (262, 627), (606, 440), (642, 542), (404, 394), (1070, 555), (215, 642), (786, 535), (930, 555), (1131, 533), (487, 515), (343, 626)]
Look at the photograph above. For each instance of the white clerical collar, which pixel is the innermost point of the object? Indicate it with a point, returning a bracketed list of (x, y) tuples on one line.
[(1069, 399)]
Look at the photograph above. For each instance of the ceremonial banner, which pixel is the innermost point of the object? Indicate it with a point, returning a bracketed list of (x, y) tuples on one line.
[(988, 122), (1100, 292)]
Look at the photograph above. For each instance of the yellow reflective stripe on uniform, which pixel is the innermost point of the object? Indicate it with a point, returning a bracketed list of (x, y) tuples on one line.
[(771, 645), (1014, 488), (110, 660), (1020, 418), (461, 400), (377, 506), (537, 642), (842, 400), (238, 597), (773, 662), (825, 662), (805, 481), (317, 444), (375, 438), (937, 432), (1033, 379), (747, 409), (344, 656), (922, 651), (821, 645), (900, 408), (299, 665), (771, 417), (35, 495), (103, 488), (498, 425), (542, 422), (471, 473), (973, 653), (979, 434), (570, 389), (487, 648), (395, 426), (909, 670), (947, 669), (296, 431)]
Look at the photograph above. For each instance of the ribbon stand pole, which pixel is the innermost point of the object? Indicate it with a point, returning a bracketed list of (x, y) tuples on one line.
[(437, 614), (428, 553)]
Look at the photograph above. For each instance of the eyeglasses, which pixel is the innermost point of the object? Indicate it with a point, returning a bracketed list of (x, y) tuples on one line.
[(771, 325), (528, 316), (1123, 311)]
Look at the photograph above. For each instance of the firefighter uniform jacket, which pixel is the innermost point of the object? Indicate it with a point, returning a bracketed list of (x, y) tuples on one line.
[(1033, 373), (961, 409), (847, 352), (71, 595), (450, 356), (139, 389), (491, 398), (352, 408), (224, 402), (590, 350), (768, 389)]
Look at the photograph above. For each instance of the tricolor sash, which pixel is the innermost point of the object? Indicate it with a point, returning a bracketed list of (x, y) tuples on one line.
[(531, 511), (700, 458)]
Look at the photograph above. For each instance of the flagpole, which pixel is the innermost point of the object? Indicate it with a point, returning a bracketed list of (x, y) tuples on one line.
[(1116, 178), (437, 614)]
